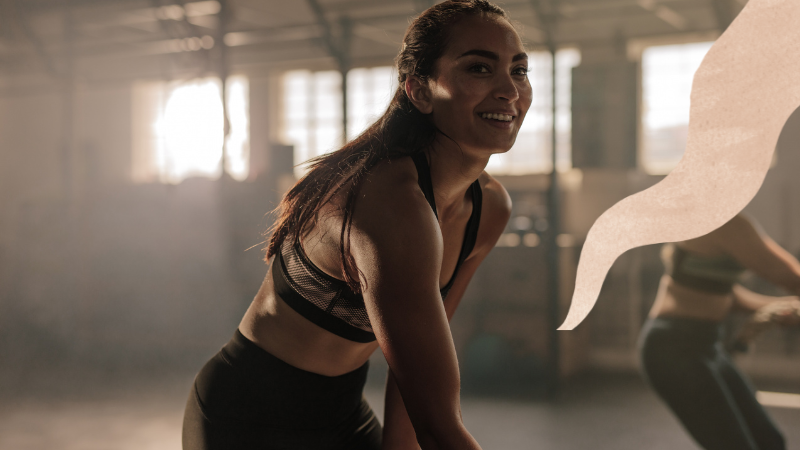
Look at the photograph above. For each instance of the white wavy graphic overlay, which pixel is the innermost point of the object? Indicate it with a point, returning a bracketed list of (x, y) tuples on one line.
[(742, 94)]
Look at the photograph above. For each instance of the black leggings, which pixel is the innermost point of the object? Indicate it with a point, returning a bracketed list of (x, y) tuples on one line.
[(684, 362), (245, 398)]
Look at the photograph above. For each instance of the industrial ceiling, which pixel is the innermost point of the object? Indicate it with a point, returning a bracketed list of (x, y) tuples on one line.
[(117, 40)]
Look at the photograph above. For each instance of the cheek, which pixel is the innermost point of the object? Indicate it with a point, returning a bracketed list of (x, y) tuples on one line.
[(462, 91), (525, 97), (442, 93)]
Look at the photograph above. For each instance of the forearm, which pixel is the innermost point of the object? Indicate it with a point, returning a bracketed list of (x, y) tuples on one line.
[(747, 300), (398, 433), (779, 267)]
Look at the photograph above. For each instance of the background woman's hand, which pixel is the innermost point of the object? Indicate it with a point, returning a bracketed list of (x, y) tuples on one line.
[(785, 312)]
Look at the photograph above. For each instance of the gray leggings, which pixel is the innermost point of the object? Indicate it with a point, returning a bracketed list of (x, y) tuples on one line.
[(684, 362)]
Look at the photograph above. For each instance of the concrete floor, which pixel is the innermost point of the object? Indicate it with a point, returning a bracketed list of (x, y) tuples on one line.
[(121, 411)]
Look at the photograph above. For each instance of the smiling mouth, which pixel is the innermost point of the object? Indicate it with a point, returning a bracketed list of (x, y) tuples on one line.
[(498, 117)]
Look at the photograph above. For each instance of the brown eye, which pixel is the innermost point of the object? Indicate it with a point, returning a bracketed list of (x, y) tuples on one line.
[(479, 68), (520, 71)]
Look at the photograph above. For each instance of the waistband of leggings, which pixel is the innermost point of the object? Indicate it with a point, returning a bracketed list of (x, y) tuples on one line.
[(242, 352), (686, 327)]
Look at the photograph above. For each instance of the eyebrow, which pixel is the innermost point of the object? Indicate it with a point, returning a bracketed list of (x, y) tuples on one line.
[(492, 55)]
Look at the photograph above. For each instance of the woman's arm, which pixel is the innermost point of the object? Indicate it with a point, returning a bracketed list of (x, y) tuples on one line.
[(757, 252), (766, 311), (398, 433), (746, 300), (398, 252)]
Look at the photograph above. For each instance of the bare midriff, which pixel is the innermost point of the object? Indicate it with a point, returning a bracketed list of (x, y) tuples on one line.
[(275, 327), (675, 300)]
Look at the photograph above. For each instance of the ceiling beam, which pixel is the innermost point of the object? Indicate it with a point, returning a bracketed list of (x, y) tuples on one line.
[(665, 13), (24, 24), (724, 12), (327, 33)]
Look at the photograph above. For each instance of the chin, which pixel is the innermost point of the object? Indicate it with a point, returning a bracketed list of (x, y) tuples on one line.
[(491, 146), (501, 148)]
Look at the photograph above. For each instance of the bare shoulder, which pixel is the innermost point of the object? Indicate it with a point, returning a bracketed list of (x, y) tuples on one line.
[(391, 187), (496, 210), (394, 236), (739, 227), (391, 208)]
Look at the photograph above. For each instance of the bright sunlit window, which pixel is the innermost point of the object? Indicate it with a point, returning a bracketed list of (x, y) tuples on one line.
[(312, 107), (312, 112), (369, 92), (178, 130), (667, 74)]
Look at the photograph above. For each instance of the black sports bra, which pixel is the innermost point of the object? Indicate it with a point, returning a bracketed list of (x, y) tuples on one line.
[(328, 301), (715, 274)]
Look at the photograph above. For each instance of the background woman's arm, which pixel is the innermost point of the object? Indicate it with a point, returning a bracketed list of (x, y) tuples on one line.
[(758, 252), (746, 300)]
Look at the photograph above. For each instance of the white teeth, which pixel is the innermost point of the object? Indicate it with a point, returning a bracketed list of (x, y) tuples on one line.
[(502, 117)]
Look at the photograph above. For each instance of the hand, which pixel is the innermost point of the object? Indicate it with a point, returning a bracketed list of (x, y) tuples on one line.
[(786, 312)]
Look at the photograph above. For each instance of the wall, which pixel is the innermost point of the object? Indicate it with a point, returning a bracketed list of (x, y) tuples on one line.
[(97, 270)]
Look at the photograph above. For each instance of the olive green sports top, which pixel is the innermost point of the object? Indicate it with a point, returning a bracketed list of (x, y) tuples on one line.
[(715, 274)]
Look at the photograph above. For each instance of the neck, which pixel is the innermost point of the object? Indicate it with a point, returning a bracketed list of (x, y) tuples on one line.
[(453, 170)]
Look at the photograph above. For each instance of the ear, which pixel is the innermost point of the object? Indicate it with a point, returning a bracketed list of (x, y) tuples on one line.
[(419, 94)]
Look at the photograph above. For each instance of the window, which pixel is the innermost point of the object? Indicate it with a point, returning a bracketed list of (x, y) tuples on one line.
[(312, 112), (369, 92), (532, 152), (178, 130), (312, 104), (667, 74)]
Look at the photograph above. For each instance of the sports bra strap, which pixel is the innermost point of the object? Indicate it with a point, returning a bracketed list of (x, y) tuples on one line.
[(471, 233), (424, 177), (329, 302)]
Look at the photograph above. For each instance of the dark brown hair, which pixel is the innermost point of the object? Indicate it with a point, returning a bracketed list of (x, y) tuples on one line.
[(402, 130)]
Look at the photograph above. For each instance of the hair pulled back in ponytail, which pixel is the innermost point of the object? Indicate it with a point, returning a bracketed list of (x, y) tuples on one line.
[(401, 131)]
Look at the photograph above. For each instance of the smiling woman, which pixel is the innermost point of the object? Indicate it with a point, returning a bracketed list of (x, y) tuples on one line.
[(374, 247)]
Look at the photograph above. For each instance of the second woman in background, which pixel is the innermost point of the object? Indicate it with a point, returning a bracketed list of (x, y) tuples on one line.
[(682, 354)]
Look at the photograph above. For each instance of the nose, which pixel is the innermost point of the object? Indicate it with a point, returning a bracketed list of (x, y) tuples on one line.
[(506, 89)]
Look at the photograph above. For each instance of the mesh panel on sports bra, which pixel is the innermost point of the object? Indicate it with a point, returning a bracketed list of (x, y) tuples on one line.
[(325, 292), (329, 302)]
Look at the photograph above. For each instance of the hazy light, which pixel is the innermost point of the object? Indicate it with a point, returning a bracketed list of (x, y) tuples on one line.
[(190, 131), (667, 74), (531, 239), (207, 42), (206, 8), (237, 162), (312, 113), (778, 399), (508, 240), (369, 92)]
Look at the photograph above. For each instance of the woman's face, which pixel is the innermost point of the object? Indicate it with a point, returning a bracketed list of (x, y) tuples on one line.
[(480, 91)]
